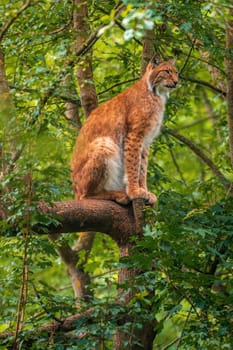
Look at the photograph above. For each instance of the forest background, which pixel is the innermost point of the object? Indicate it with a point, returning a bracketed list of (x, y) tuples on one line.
[(59, 59)]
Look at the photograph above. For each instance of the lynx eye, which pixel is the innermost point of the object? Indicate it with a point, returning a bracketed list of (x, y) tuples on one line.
[(167, 71)]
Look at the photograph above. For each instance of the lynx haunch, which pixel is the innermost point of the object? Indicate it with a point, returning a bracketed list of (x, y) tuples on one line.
[(111, 153)]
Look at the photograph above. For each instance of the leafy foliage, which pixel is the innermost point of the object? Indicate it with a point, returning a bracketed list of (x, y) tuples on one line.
[(185, 258)]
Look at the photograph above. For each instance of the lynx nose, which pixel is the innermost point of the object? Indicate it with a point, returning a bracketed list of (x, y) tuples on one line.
[(175, 83)]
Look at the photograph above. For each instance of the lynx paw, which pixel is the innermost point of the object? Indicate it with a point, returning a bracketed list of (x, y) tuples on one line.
[(141, 193), (122, 199), (152, 199), (138, 193)]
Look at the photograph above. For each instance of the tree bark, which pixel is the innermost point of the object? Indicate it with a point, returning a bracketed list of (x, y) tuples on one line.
[(4, 89), (148, 50), (84, 71), (88, 215), (57, 326), (71, 108), (8, 152), (79, 279)]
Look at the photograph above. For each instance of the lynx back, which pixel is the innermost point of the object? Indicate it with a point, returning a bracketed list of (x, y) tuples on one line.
[(111, 153)]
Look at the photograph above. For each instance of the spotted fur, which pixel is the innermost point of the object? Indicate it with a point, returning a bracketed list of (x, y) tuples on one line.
[(111, 153)]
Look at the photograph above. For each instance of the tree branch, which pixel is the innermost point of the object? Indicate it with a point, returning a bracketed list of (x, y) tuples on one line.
[(118, 84), (203, 157), (204, 83), (89, 215), (65, 325), (86, 215), (7, 25)]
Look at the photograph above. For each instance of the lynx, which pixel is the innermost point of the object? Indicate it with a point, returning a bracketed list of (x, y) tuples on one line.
[(111, 153)]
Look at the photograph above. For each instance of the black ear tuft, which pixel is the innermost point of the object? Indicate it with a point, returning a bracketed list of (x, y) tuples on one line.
[(156, 60)]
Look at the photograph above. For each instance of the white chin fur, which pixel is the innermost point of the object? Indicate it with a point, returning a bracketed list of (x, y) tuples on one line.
[(161, 91)]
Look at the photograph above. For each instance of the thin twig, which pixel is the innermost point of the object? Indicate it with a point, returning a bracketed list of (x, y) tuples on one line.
[(117, 84), (23, 294), (42, 304), (185, 323), (180, 292), (175, 162), (188, 57), (167, 347), (201, 59), (199, 121), (59, 30)]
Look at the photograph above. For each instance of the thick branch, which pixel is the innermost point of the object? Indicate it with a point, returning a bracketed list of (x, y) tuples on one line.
[(88, 215), (65, 325), (79, 279), (91, 215)]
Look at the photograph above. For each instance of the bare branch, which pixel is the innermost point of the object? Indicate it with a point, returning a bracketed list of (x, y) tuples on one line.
[(79, 279), (188, 57), (204, 83), (87, 45), (203, 157), (176, 163), (194, 123), (61, 29), (118, 84)]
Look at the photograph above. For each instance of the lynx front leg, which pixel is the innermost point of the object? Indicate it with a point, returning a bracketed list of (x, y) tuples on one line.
[(143, 175), (132, 160), (143, 169)]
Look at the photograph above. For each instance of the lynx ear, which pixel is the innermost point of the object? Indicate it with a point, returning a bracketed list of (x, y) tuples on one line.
[(172, 60), (156, 60)]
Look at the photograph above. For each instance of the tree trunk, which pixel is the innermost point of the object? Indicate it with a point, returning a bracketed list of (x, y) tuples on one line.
[(79, 279), (8, 151), (89, 102), (4, 90), (84, 71), (148, 50)]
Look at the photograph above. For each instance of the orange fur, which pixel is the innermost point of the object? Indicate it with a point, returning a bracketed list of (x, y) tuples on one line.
[(111, 152)]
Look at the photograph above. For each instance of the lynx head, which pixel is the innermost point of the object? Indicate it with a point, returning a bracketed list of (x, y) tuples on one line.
[(161, 76)]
